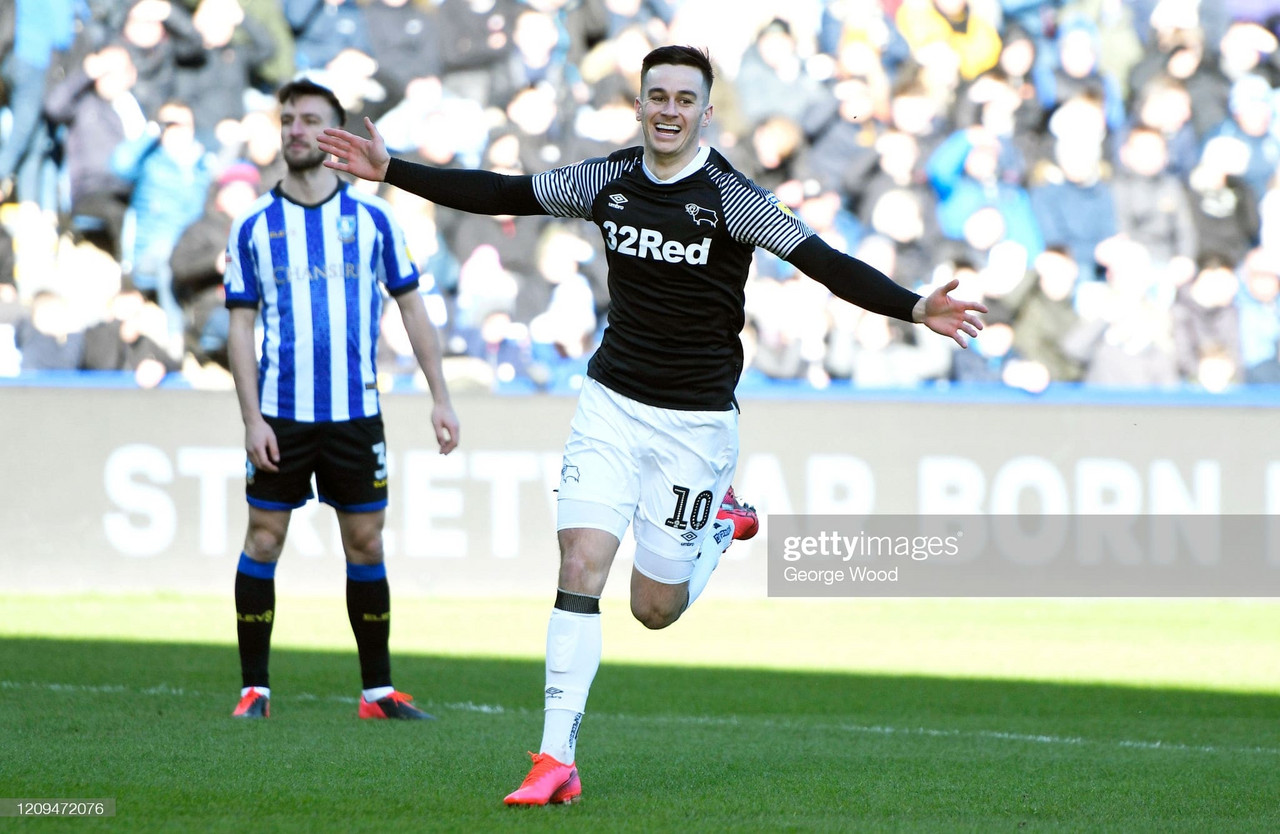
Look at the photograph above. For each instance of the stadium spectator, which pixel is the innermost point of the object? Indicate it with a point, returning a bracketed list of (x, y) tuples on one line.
[(535, 118), (605, 19), (236, 49), (1179, 54), (536, 58), (1046, 314), (11, 310), (159, 34), (1077, 206), (563, 332), (966, 174), (49, 338), (132, 338), (1206, 321), (1079, 72), (1250, 122), (97, 105), (269, 14), (994, 359), (477, 35), (324, 28), (170, 173), (1225, 208), (900, 215), (610, 66), (1259, 315), (775, 158), (199, 262), (42, 29), (436, 124), (260, 147), (842, 150), (1016, 70), (1153, 207), (899, 167), (1123, 338), (1164, 105), (771, 78), (1246, 48), (950, 25), (405, 38)]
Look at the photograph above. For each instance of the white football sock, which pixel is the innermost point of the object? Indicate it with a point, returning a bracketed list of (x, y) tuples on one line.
[(265, 690), (714, 545), (573, 656), (377, 693)]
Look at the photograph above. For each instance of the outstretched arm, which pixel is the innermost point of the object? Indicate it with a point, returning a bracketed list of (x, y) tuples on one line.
[(862, 284), (479, 192)]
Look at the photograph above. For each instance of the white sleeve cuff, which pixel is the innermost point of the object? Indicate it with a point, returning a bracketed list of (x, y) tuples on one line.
[(917, 312)]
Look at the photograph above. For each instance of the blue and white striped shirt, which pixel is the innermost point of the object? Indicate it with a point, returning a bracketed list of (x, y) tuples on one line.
[(315, 272)]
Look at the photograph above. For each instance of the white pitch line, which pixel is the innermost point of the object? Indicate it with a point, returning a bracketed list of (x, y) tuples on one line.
[(711, 721)]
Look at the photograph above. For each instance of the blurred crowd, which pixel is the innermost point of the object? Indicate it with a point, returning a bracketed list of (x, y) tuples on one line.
[(1101, 173)]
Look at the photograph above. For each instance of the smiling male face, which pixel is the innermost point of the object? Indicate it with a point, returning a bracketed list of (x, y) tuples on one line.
[(673, 110)]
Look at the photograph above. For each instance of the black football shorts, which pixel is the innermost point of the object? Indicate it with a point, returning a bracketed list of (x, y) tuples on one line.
[(348, 459)]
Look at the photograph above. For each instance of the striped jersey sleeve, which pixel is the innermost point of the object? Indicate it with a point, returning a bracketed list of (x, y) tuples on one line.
[(241, 277), (569, 191), (755, 217)]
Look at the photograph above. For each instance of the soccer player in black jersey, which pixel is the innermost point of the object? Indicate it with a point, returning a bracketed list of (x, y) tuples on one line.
[(654, 441)]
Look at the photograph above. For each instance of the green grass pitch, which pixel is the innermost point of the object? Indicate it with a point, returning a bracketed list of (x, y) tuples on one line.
[(778, 715)]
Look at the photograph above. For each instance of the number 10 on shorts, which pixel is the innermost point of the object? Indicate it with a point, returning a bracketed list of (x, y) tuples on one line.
[(699, 514)]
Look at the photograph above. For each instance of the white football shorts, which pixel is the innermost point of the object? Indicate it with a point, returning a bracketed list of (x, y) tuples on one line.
[(662, 470)]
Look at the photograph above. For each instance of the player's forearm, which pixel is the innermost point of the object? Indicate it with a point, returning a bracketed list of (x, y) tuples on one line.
[(243, 361), (479, 192), (425, 342), (854, 281)]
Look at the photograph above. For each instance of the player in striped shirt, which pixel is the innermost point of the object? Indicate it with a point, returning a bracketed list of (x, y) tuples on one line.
[(313, 257), (654, 442)]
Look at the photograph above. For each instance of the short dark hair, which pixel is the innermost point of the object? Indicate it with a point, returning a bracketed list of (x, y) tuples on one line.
[(680, 56), (306, 87)]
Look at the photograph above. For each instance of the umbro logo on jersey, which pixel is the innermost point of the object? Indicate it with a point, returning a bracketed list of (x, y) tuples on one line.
[(701, 215), (617, 201)]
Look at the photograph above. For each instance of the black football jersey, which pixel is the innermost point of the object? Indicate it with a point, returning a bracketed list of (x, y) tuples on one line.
[(678, 256)]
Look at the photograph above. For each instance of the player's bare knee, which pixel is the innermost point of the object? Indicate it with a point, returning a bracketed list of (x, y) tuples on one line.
[(263, 544), (653, 615), (364, 550), (576, 573)]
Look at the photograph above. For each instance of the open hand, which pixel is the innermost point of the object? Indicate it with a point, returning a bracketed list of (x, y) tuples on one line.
[(951, 317), (364, 158)]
